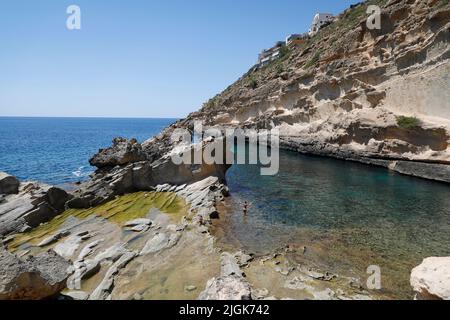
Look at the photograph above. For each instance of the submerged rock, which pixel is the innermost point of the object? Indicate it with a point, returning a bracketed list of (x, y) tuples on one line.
[(35, 278), (431, 279)]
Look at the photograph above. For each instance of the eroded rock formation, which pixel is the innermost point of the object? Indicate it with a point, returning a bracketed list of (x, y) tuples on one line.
[(34, 203), (122, 152), (133, 175), (34, 278), (347, 91)]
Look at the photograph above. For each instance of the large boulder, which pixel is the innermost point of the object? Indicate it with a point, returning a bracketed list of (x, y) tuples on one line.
[(8, 184), (35, 203), (35, 278), (431, 280), (122, 152)]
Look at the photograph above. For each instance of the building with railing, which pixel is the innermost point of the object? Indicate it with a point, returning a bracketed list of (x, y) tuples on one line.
[(296, 39), (269, 55), (320, 20)]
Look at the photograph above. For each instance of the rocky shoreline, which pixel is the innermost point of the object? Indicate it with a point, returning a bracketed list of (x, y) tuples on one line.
[(419, 169), (140, 219), (108, 260), (102, 255), (28, 204)]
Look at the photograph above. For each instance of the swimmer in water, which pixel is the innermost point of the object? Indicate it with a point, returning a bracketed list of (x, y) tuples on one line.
[(246, 207)]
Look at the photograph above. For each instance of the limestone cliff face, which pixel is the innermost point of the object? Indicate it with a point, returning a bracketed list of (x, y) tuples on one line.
[(376, 96), (352, 93)]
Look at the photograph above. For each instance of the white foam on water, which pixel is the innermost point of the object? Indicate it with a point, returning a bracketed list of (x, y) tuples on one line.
[(80, 174)]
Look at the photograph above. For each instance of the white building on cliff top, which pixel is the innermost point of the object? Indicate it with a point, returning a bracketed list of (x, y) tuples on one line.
[(320, 20)]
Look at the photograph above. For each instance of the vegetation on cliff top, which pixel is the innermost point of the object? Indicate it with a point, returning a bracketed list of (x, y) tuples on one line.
[(408, 122)]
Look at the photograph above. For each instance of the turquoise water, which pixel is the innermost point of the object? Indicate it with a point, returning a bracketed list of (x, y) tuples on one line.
[(350, 215), (57, 150)]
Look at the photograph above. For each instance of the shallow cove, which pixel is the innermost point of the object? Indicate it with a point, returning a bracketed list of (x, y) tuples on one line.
[(342, 216)]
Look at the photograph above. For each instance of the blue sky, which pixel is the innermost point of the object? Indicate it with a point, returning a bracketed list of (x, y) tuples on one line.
[(136, 58)]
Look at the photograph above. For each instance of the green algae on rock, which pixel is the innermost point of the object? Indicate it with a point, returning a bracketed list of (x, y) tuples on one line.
[(119, 211)]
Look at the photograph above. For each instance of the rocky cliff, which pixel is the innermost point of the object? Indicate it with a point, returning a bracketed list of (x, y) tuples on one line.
[(375, 96)]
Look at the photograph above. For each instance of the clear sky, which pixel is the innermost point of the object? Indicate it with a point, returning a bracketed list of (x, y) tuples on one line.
[(136, 58)]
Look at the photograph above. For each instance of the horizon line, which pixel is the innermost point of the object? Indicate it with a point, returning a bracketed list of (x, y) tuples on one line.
[(91, 117)]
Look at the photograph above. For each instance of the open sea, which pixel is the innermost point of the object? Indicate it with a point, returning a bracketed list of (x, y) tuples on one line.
[(57, 150)]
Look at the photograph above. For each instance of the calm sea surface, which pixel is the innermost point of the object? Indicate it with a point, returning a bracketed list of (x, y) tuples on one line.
[(57, 150)]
